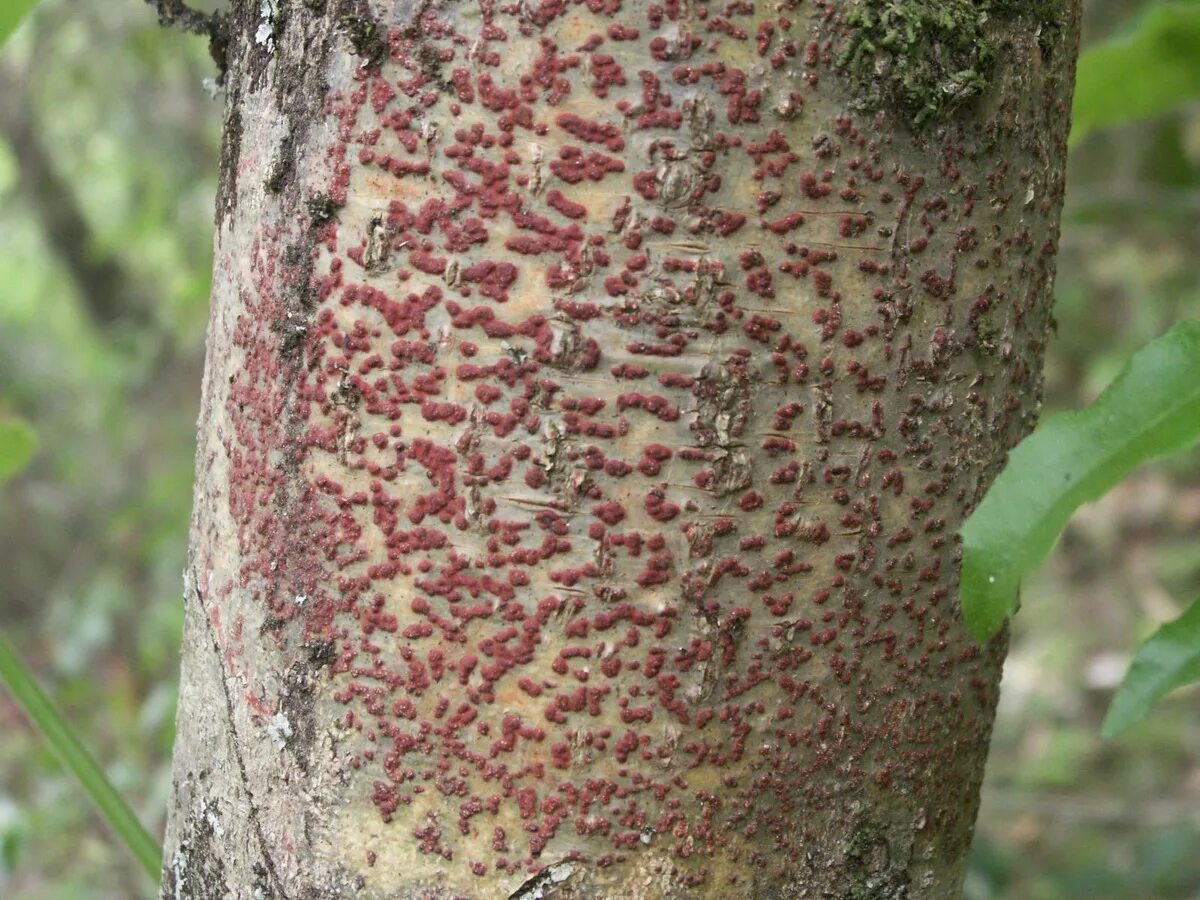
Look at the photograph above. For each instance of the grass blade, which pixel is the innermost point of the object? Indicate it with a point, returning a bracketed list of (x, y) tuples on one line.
[(1151, 409), (1169, 658), (40, 710)]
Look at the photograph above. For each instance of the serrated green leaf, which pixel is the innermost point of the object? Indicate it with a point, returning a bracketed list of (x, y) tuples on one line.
[(1152, 408), (11, 14), (18, 443), (1150, 69), (1169, 658)]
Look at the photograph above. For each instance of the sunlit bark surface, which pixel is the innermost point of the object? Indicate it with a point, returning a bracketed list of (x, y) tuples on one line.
[(594, 390)]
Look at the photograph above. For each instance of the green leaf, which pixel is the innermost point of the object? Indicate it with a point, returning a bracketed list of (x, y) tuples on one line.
[(11, 14), (1151, 69), (75, 757), (1152, 408), (1170, 658), (17, 446)]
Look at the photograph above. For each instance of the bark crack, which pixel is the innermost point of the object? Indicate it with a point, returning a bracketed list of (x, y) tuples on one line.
[(235, 741)]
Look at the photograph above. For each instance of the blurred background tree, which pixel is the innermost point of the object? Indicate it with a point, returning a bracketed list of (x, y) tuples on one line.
[(109, 133)]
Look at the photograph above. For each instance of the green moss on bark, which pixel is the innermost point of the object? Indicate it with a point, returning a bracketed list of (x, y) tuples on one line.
[(925, 58)]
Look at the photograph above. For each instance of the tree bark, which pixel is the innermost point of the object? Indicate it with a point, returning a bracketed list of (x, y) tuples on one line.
[(594, 391)]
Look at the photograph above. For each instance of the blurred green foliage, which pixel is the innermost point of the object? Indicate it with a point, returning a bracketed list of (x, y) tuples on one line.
[(108, 160), (11, 15), (1065, 815), (39, 709), (1150, 67), (108, 163), (1169, 658), (18, 442), (1151, 409)]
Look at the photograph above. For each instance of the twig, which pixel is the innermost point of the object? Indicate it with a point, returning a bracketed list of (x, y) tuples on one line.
[(177, 14)]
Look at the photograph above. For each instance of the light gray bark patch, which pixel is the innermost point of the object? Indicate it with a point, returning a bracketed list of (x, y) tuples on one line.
[(545, 883), (299, 700), (196, 869), (733, 472), (266, 863), (379, 245), (723, 404), (569, 350)]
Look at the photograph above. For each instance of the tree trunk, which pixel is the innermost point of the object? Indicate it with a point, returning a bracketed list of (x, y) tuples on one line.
[(594, 391)]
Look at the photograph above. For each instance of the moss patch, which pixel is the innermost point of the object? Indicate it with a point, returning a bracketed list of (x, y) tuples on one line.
[(925, 58), (366, 37), (321, 209)]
